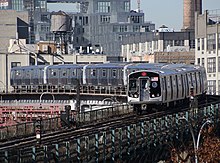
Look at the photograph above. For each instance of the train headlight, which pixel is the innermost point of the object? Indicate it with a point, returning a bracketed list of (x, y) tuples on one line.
[(144, 106), (135, 95)]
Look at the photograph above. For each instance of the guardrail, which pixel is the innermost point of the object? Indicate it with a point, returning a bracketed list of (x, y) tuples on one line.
[(53, 124)]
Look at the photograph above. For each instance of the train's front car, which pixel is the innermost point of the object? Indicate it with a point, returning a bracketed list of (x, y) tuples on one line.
[(144, 89)]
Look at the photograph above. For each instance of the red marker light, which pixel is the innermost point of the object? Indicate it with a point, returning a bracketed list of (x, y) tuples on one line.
[(144, 74)]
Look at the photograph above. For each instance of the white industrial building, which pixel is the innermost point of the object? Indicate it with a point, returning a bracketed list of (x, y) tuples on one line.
[(207, 34)]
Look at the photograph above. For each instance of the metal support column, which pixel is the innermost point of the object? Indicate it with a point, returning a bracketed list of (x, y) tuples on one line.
[(67, 151), (204, 111), (129, 140), (113, 145), (96, 148), (212, 111), (177, 125), (209, 110), (148, 138), (78, 150), (154, 132), (45, 154), (87, 148), (6, 157), (135, 139), (104, 147), (57, 152), (142, 135), (217, 117), (33, 154), (120, 144)]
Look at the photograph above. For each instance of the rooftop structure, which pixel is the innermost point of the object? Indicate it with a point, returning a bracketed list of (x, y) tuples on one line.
[(189, 9)]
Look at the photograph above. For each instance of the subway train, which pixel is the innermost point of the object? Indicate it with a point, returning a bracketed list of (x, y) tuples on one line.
[(66, 77), (143, 83), (168, 86)]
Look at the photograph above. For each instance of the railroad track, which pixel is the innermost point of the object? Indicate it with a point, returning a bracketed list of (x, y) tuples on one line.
[(64, 134)]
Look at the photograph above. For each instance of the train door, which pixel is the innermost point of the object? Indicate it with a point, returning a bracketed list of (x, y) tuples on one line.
[(180, 86), (69, 76), (168, 88), (144, 88)]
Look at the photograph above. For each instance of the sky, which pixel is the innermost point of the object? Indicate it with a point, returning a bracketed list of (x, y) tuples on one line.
[(169, 12), (159, 12)]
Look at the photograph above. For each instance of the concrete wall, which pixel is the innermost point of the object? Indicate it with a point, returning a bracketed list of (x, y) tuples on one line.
[(8, 26)]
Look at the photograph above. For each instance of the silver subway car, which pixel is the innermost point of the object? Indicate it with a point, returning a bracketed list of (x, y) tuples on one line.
[(166, 86)]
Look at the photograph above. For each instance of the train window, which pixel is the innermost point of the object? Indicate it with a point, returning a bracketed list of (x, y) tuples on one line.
[(64, 73), (165, 84), (162, 83), (114, 73), (145, 84), (53, 73), (133, 85), (200, 81), (182, 85), (39, 72), (189, 79), (171, 87), (187, 84), (194, 81), (103, 73), (93, 72), (74, 72), (17, 73), (177, 87)]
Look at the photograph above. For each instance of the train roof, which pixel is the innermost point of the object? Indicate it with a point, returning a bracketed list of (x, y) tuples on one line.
[(28, 67), (146, 65), (108, 65), (66, 66), (174, 69)]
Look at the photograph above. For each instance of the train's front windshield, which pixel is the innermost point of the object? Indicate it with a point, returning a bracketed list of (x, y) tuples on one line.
[(133, 85)]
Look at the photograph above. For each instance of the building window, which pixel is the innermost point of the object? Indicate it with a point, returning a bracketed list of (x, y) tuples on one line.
[(104, 7), (198, 61), (137, 47), (218, 87), (105, 19), (192, 44), (136, 19), (203, 44), (203, 62), (45, 18), (136, 28), (176, 43), (15, 64), (17, 5), (211, 87), (211, 65), (42, 4), (211, 43), (198, 44), (123, 28), (127, 6), (219, 64), (219, 41)]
